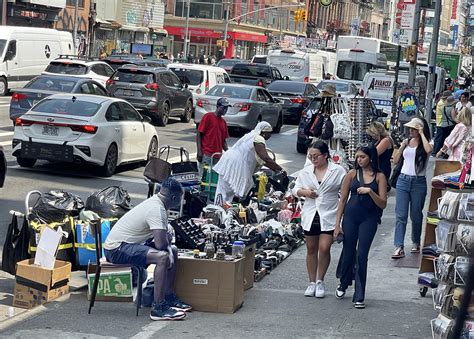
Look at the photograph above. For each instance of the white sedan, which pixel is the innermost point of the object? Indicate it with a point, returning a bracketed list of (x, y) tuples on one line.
[(82, 128)]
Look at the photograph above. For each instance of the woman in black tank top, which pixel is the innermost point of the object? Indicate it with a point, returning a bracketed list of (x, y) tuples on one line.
[(366, 188)]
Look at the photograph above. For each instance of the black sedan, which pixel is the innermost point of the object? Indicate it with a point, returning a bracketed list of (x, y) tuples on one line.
[(295, 96), (45, 85)]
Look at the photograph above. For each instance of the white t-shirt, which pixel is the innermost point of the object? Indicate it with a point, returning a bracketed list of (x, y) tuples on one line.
[(409, 167), (137, 225), (460, 105)]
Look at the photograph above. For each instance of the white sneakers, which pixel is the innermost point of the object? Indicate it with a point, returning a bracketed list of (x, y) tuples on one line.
[(316, 289)]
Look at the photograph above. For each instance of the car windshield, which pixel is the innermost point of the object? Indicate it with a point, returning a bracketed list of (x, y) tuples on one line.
[(286, 87), (3, 43), (189, 76), (230, 92), (314, 105), (52, 84), (340, 86), (254, 70), (133, 75), (352, 70), (260, 60), (66, 68), (228, 62), (67, 107)]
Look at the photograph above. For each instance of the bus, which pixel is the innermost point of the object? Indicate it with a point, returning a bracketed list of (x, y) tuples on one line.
[(390, 49)]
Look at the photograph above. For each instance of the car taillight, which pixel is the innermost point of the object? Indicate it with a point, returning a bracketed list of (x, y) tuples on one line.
[(201, 103), (153, 86), (16, 97), (206, 86), (109, 82), (84, 128), (23, 122), (260, 83), (243, 107), (297, 100), (306, 79)]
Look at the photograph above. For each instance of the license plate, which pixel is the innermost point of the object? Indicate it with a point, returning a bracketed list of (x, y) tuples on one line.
[(43, 151), (128, 93), (50, 130)]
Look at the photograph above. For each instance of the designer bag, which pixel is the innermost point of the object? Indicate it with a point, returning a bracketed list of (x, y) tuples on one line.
[(158, 169), (185, 171)]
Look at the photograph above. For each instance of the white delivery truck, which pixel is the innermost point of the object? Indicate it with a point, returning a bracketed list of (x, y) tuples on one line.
[(331, 61), (26, 51), (378, 86), (353, 64), (298, 65)]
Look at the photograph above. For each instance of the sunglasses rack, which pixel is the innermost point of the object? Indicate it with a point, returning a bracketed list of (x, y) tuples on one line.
[(359, 109)]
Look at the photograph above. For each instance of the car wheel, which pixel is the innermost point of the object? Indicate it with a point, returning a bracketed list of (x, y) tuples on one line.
[(301, 148), (162, 118), (3, 86), (279, 124), (152, 149), (110, 162), (25, 162), (188, 112)]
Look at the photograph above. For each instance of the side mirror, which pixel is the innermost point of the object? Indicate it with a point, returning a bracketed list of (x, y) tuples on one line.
[(185, 86), (286, 77), (147, 119)]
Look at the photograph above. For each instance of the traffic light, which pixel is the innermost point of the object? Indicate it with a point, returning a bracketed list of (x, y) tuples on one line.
[(298, 15), (304, 15)]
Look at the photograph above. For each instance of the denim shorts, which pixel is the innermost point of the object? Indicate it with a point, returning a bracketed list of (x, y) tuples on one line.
[(128, 254)]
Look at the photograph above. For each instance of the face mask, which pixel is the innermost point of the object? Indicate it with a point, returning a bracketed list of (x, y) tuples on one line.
[(221, 111)]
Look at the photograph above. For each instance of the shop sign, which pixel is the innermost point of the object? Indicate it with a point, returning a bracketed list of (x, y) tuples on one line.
[(408, 104), (381, 85), (32, 14)]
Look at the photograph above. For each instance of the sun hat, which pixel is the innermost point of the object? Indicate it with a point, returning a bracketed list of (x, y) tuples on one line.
[(329, 90), (415, 123)]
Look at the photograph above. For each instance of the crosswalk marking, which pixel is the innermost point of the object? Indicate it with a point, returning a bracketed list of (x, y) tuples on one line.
[(6, 134), (290, 132), (5, 143)]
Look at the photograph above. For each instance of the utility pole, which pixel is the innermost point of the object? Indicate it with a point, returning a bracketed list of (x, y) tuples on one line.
[(186, 30), (414, 39), (4, 12), (432, 61), (226, 29), (74, 32)]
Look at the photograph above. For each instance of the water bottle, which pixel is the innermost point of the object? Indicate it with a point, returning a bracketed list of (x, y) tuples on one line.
[(238, 248)]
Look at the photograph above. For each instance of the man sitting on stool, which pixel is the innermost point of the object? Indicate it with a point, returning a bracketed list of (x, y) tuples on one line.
[(124, 245)]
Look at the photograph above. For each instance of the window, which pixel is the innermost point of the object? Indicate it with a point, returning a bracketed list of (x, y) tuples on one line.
[(268, 97), (189, 76), (252, 70), (11, 51), (66, 68), (85, 89), (175, 80), (133, 75), (351, 70), (114, 113), (68, 107), (98, 90), (99, 69), (129, 112), (226, 78), (51, 84), (108, 70), (80, 3), (166, 78), (261, 96)]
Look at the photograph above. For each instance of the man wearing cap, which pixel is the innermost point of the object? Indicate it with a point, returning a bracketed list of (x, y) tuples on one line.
[(445, 120), (125, 244), (212, 133)]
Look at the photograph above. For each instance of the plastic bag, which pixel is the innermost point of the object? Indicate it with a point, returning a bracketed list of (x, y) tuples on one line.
[(56, 206), (109, 202), (15, 248)]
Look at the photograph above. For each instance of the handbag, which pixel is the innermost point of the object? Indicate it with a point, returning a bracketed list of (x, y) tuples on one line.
[(158, 169), (16, 244), (396, 173), (186, 172), (342, 126), (327, 129)]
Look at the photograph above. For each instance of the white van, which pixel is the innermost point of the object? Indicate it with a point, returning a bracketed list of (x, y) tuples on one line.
[(26, 51), (199, 78), (353, 64), (298, 65), (378, 86), (331, 61)]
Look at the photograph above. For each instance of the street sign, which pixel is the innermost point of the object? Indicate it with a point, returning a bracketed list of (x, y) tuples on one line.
[(408, 17), (154, 36)]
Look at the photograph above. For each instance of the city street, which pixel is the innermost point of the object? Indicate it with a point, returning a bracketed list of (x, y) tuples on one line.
[(275, 307)]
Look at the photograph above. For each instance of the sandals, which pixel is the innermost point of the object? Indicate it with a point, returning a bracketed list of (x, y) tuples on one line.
[(415, 248), (399, 253)]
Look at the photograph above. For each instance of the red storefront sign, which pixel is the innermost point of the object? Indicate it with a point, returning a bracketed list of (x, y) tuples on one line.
[(248, 37), (194, 32), (454, 13)]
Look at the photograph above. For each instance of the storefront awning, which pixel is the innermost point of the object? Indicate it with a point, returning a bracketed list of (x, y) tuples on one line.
[(134, 28), (158, 30)]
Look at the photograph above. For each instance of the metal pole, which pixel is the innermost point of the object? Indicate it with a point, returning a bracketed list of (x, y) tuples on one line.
[(226, 29), (432, 62), (74, 34), (395, 85), (280, 21), (414, 39), (4, 12), (186, 30)]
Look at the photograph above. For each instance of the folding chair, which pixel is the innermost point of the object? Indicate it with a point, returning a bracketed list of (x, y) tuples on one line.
[(96, 225)]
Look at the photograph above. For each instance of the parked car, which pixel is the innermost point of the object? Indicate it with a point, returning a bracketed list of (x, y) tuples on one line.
[(154, 91), (82, 67), (259, 59), (250, 104), (343, 88), (227, 64), (295, 96), (81, 128), (3, 166), (45, 85), (116, 63), (254, 74)]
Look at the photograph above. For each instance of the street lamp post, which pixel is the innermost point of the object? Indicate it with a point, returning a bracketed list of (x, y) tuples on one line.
[(186, 30), (226, 29)]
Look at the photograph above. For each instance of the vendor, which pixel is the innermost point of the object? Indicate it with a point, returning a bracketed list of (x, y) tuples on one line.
[(238, 165), (125, 245)]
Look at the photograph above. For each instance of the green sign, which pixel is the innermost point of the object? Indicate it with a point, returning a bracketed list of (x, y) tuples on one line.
[(450, 62), (113, 284), (154, 36)]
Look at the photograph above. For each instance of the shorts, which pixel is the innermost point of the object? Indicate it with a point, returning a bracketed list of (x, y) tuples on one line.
[(128, 254), (316, 228)]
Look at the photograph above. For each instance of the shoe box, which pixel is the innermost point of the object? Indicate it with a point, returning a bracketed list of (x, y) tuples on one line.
[(210, 285), (35, 285)]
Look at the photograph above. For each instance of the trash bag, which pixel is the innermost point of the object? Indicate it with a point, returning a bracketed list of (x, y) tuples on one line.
[(56, 206), (15, 248), (109, 202)]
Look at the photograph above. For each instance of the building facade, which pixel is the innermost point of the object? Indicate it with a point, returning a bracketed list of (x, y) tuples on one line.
[(34, 13), (66, 22)]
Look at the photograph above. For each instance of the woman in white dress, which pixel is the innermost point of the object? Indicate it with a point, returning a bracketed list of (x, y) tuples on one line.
[(237, 166)]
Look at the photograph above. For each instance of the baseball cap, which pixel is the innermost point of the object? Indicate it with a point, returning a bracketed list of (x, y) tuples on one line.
[(223, 102)]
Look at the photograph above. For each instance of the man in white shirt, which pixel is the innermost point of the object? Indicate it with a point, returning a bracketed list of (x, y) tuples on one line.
[(125, 245)]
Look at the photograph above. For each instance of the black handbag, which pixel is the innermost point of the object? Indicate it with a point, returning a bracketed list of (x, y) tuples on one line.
[(396, 173), (157, 169), (16, 244), (186, 172)]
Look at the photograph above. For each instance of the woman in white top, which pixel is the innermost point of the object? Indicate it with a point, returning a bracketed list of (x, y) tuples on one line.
[(237, 166), (319, 184), (411, 185)]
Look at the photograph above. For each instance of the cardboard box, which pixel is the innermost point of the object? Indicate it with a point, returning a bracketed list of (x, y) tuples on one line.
[(210, 285), (115, 284), (249, 266), (35, 285)]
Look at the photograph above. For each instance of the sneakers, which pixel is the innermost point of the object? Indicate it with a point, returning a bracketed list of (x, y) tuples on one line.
[(359, 304), (311, 290), (177, 304), (320, 289), (398, 253), (340, 293), (163, 311), (415, 248)]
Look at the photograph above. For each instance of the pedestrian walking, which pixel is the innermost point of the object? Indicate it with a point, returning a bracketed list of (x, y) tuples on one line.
[(453, 148), (237, 166), (384, 144), (445, 120), (363, 197), (411, 185), (463, 102), (319, 184), (212, 134)]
